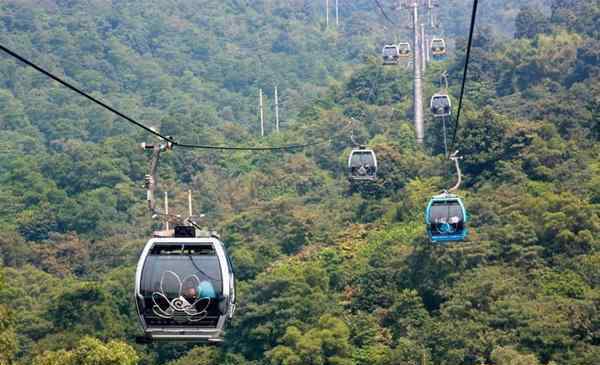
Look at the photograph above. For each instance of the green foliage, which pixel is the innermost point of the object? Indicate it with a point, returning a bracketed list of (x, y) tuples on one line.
[(326, 344), (530, 22), (328, 272), (90, 351), (508, 356), (84, 307), (8, 338)]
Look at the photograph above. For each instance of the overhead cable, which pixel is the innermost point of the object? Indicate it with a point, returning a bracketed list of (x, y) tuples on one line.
[(465, 73), (144, 127), (384, 13)]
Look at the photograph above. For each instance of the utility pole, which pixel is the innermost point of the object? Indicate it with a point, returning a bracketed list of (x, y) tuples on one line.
[(428, 50), (431, 17), (262, 114), (423, 47), (337, 13), (418, 86), (276, 110), (327, 12), (166, 211), (190, 211)]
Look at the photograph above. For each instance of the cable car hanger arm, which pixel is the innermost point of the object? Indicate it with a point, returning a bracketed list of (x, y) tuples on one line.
[(150, 179), (455, 158)]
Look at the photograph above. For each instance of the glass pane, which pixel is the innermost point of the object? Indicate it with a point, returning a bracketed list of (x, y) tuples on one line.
[(362, 159), (446, 212), (390, 51), (168, 274), (182, 286)]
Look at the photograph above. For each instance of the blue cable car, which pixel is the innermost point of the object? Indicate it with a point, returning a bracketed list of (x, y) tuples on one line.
[(446, 219)]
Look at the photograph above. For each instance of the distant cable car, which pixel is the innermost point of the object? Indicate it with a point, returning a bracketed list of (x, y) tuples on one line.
[(440, 105), (404, 49), (445, 217), (391, 54), (184, 287), (438, 48), (362, 164)]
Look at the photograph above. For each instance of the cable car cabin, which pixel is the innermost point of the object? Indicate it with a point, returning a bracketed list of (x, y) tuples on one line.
[(438, 48), (184, 289), (362, 165), (391, 54), (404, 49), (445, 217), (440, 105)]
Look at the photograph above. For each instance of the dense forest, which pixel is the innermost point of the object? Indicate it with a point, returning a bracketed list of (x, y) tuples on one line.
[(329, 273)]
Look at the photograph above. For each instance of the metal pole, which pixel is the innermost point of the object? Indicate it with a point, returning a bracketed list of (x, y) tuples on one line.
[(190, 204), (423, 46), (337, 13), (276, 110), (428, 50), (166, 211), (262, 115), (418, 87), (430, 12), (445, 137), (327, 12)]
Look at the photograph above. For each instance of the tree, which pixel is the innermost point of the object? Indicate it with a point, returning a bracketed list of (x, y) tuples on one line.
[(509, 356), (90, 351), (85, 307), (327, 344), (8, 337), (530, 22), (407, 317)]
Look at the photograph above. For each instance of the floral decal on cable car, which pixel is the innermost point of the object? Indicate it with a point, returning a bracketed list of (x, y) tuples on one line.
[(190, 302)]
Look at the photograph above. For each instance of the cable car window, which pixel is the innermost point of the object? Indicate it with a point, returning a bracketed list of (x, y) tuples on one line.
[(439, 102), (182, 285), (178, 272), (390, 51), (446, 212), (361, 159)]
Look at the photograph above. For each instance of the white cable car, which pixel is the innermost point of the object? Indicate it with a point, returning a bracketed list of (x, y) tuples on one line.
[(438, 48), (391, 54), (441, 106), (362, 164), (404, 49), (184, 287)]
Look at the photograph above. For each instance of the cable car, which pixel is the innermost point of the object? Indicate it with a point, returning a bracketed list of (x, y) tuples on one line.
[(184, 287), (438, 48), (404, 49), (362, 164), (391, 54), (446, 217), (440, 105)]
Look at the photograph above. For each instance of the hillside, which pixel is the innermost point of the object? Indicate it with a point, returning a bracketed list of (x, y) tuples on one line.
[(328, 272)]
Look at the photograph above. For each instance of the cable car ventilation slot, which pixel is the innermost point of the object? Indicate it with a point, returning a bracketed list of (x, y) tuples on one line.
[(183, 250)]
